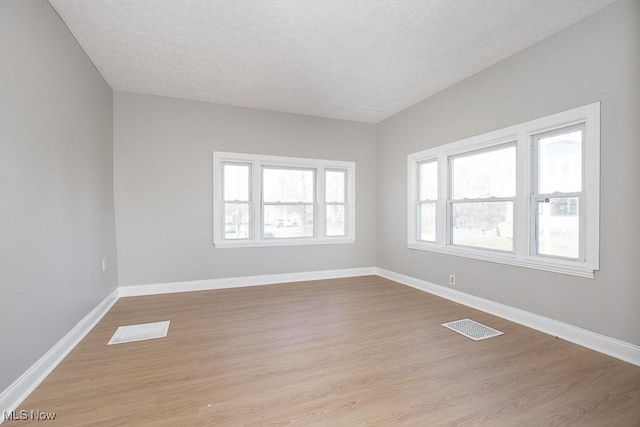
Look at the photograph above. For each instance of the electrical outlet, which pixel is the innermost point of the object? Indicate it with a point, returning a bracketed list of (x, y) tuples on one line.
[(104, 265), (452, 279)]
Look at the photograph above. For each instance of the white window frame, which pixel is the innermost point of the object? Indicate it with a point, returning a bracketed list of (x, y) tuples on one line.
[(256, 163), (524, 232)]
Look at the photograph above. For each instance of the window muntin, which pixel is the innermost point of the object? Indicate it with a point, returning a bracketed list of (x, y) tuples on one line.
[(483, 188), (557, 192), (274, 201), (550, 211)]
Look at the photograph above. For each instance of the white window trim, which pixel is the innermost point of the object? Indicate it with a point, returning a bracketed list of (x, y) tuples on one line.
[(523, 134), (257, 161)]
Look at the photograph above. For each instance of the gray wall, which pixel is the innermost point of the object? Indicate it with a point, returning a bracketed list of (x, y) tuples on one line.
[(598, 59), (163, 187), (58, 119), (56, 185)]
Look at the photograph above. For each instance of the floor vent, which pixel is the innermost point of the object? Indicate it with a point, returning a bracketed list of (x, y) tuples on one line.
[(472, 329), (144, 331)]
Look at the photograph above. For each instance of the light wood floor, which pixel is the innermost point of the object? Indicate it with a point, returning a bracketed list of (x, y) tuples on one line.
[(360, 351)]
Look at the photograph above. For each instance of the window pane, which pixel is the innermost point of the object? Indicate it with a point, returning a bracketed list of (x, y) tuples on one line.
[(282, 221), (486, 174), (334, 186), (429, 181), (560, 163), (335, 220), (288, 185), (236, 220), (484, 225), (236, 182), (559, 227), (428, 222)]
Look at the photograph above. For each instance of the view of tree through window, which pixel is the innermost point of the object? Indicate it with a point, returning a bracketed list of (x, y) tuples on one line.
[(288, 202), (483, 196)]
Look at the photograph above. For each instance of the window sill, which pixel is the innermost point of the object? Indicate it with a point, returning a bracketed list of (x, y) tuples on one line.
[(559, 266), (288, 242)]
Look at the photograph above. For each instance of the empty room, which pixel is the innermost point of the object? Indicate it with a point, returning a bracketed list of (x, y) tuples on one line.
[(328, 213)]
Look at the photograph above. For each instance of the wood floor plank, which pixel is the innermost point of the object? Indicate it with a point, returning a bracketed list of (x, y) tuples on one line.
[(357, 351)]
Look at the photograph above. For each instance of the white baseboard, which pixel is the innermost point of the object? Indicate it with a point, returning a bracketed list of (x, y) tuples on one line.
[(21, 388), (17, 392), (616, 348), (238, 282)]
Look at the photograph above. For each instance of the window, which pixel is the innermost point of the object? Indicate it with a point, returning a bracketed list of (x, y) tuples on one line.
[(557, 192), (236, 181), (288, 201), (336, 202), (428, 196), (483, 191), (526, 195), (277, 201)]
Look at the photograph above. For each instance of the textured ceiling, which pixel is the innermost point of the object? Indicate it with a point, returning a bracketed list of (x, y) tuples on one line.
[(359, 60)]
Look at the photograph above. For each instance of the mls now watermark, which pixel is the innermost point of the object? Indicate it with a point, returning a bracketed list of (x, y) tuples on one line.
[(32, 415)]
